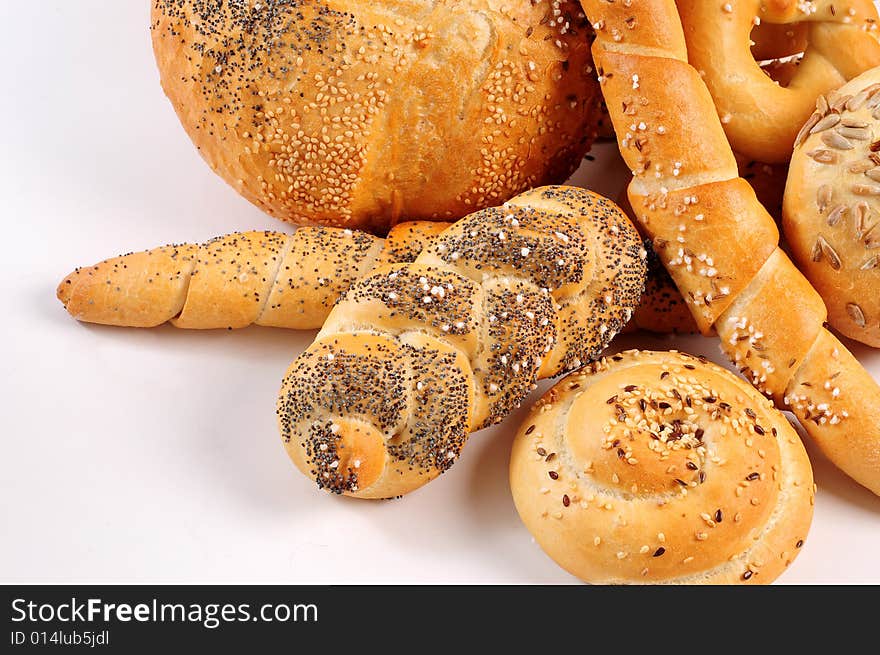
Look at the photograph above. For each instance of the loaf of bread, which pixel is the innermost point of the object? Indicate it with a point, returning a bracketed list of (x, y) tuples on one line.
[(717, 241), (414, 357), (660, 467), (358, 114), (262, 278), (832, 206)]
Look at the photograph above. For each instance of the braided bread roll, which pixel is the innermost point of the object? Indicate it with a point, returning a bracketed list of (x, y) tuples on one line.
[(414, 357), (659, 467), (263, 278), (717, 241)]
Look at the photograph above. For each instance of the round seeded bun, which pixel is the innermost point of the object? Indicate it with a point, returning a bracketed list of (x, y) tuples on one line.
[(362, 114), (662, 468), (831, 208)]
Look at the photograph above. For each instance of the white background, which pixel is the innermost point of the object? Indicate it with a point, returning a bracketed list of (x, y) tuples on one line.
[(153, 456)]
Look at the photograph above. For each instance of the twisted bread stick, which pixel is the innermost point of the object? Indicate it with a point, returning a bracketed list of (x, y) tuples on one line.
[(267, 278), (414, 357), (718, 242)]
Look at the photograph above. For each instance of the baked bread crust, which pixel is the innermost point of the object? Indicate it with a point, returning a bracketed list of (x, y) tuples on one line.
[(662, 309), (363, 114), (414, 357), (760, 117), (263, 278), (832, 206), (687, 196), (662, 468), (267, 278)]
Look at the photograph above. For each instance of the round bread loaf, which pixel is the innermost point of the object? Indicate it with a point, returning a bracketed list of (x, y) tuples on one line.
[(361, 114), (831, 211), (660, 467)]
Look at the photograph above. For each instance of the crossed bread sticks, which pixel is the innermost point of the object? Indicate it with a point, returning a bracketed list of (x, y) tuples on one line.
[(717, 241), (429, 334), (277, 280)]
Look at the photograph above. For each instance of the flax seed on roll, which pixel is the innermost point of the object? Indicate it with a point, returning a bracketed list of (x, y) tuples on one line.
[(660, 467), (361, 114)]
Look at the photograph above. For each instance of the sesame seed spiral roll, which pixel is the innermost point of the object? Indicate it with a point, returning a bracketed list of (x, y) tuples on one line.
[(361, 114), (414, 357), (660, 467)]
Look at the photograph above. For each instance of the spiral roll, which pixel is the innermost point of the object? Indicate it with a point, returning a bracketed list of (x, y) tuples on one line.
[(660, 467)]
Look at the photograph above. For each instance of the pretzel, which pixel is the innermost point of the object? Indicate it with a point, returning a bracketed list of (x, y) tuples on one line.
[(774, 41), (761, 118)]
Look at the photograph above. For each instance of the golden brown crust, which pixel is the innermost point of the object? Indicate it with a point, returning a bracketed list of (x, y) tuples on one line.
[(142, 289), (662, 309), (837, 400), (831, 208), (777, 303), (769, 328), (761, 118), (267, 278), (655, 468), (691, 230), (232, 279), (405, 241), (356, 114), (669, 149), (224, 282), (588, 320), (419, 355), (767, 180), (376, 416), (320, 264)]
